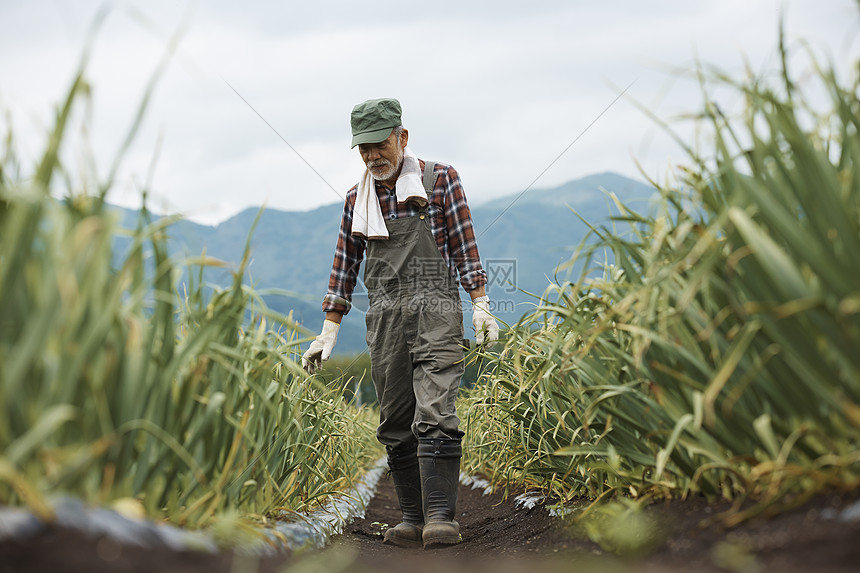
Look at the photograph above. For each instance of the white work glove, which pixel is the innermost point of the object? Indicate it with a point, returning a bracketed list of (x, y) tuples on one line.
[(320, 349), (483, 321)]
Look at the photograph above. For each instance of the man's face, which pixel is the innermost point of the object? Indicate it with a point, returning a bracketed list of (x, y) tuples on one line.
[(384, 159)]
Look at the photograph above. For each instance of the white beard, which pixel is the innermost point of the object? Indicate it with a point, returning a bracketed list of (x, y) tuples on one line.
[(388, 173)]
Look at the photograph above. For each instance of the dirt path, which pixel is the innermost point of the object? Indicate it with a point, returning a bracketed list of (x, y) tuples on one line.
[(498, 537), (495, 532)]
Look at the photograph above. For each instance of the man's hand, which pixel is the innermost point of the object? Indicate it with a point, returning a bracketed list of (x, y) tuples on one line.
[(320, 349), (483, 321)]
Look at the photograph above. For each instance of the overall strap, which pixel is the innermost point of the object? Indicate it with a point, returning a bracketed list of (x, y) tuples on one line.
[(429, 177)]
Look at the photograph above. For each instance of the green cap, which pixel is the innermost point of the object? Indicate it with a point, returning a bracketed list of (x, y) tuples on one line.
[(373, 120)]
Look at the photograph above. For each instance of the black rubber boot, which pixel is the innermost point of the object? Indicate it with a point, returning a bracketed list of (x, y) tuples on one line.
[(439, 460), (407, 482)]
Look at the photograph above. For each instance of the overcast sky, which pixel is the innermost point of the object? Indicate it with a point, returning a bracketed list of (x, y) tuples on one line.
[(498, 89)]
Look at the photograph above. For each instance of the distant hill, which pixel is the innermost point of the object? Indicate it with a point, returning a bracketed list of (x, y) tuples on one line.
[(580, 194), (521, 238)]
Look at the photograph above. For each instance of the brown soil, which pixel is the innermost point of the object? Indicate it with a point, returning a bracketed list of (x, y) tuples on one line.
[(498, 538), (58, 550)]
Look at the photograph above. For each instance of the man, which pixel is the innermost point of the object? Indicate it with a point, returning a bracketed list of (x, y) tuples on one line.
[(417, 242)]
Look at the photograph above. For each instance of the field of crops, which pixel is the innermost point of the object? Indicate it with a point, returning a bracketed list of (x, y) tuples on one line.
[(715, 350), (710, 346), (138, 382)]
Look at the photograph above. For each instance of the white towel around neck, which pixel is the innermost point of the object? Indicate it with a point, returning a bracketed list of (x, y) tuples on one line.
[(367, 220)]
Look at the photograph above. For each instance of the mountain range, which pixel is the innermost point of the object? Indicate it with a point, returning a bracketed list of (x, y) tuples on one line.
[(522, 238)]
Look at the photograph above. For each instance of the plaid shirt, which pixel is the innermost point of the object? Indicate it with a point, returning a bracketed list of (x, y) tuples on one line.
[(450, 221)]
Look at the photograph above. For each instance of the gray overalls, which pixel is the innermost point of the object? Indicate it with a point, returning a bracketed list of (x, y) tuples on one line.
[(414, 333)]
